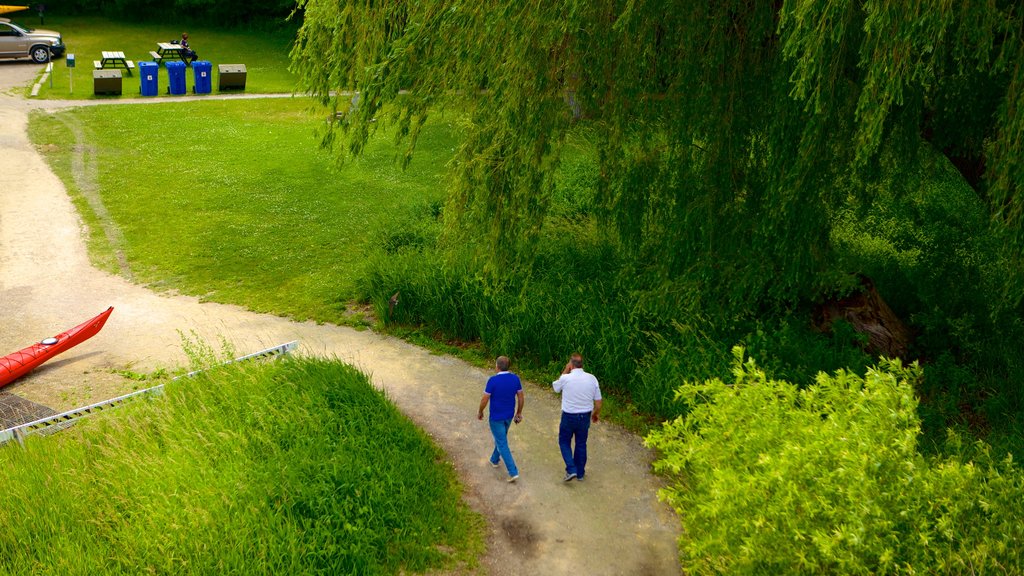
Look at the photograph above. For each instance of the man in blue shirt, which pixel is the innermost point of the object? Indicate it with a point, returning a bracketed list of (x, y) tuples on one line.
[(504, 391)]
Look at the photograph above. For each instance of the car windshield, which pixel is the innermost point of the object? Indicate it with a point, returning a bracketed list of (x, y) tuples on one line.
[(19, 26)]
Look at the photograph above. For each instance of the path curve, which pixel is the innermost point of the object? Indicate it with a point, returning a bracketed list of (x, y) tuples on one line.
[(612, 524)]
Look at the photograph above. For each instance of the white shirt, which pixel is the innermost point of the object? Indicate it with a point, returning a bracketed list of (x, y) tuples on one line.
[(579, 389)]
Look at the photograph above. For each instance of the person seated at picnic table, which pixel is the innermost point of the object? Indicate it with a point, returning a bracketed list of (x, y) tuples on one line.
[(187, 53)]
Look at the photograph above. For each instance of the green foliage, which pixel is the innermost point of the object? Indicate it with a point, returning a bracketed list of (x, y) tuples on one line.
[(299, 467), (669, 175), (923, 237), (732, 151), (581, 296), (414, 231), (723, 131), (690, 352), (774, 478), (728, 138), (788, 348)]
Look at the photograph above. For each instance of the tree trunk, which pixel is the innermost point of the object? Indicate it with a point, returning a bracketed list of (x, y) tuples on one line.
[(870, 315)]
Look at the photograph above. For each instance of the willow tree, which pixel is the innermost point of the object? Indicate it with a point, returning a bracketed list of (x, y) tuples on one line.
[(726, 131)]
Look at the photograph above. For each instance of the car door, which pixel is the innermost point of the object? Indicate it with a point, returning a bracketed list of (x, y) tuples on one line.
[(12, 43)]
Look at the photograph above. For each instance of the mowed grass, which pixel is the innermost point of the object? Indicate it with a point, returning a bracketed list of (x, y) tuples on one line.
[(265, 54), (294, 467), (234, 201)]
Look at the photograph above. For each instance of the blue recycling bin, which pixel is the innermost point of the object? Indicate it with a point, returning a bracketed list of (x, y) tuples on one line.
[(149, 76), (176, 77), (202, 69)]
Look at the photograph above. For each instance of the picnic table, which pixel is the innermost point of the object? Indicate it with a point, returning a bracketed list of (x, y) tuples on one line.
[(114, 60), (171, 50)]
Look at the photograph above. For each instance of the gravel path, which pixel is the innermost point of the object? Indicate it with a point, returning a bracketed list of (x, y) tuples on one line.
[(612, 524)]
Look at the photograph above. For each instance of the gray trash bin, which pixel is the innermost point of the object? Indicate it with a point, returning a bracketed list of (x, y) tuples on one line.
[(106, 81), (231, 76)]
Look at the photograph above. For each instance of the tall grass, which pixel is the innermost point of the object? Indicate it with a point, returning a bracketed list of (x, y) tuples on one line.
[(299, 467), (642, 336)]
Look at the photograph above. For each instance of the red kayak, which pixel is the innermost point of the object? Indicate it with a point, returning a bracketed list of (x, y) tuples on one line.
[(17, 364)]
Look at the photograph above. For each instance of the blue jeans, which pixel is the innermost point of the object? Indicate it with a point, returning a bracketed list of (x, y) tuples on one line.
[(499, 429), (577, 425)]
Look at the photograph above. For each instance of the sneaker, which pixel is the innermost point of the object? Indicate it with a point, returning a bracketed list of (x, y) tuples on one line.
[(493, 464), (512, 479), (569, 477), (579, 478)]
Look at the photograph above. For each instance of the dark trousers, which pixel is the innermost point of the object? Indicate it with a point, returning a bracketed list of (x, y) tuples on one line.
[(578, 426)]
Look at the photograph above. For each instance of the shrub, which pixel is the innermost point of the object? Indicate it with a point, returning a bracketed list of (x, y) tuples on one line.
[(774, 479), (788, 348)]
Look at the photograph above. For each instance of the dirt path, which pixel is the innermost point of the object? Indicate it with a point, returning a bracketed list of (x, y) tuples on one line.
[(612, 524)]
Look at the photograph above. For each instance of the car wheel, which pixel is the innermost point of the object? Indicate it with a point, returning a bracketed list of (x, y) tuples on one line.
[(40, 54)]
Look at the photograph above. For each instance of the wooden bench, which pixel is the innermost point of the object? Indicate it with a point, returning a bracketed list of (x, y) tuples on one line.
[(156, 57), (130, 64), (113, 60)]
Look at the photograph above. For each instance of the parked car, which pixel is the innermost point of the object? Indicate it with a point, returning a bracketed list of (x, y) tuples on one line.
[(17, 41)]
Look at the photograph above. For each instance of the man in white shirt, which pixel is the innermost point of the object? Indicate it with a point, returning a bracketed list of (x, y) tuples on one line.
[(581, 405)]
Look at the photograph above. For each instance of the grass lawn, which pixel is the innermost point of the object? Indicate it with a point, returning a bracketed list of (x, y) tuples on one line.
[(234, 201), (264, 54), (293, 467)]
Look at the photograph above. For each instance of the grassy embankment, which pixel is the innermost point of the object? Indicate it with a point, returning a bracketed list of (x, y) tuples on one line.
[(265, 54), (294, 467)]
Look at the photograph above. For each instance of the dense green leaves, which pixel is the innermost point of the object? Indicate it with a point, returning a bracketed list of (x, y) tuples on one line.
[(724, 130), (736, 146), (776, 479)]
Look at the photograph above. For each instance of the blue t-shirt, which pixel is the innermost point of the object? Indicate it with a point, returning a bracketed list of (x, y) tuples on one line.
[(503, 387)]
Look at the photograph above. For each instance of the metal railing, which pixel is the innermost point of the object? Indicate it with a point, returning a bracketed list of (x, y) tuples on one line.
[(65, 419)]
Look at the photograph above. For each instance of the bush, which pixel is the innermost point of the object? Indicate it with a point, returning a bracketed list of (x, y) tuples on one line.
[(774, 479), (641, 337), (788, 348)]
